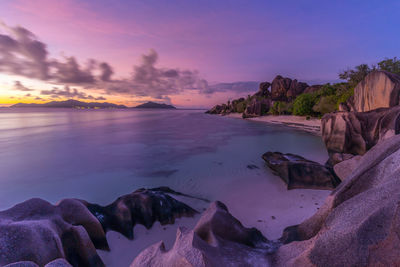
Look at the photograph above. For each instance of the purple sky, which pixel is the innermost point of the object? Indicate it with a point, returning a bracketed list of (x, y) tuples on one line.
[(195, 45)]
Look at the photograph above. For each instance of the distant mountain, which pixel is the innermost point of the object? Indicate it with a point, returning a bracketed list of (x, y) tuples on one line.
[(70, 104), (155, 105)]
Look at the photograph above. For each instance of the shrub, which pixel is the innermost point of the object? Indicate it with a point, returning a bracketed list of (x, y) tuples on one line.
[(326, 104), (303, 104), (279, 108), (344, 96), (240, 107)]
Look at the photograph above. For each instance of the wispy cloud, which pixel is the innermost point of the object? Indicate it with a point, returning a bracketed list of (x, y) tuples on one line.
[(67, 92), (20, 87)]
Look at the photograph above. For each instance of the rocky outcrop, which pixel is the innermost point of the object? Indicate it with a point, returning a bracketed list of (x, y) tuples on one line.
[(282, 89), (257, 107), (218, 239), (286, 89), (379, 89), (217, 109), (359, 223), (56, 263), (39, 232), (263, 90), (298, 172), (356, 132), (345, 168), (140, 207)]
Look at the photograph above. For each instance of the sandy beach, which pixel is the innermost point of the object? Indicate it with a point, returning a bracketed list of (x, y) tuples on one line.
[(313, 125)]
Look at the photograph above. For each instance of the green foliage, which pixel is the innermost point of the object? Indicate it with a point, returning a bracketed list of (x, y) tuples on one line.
[(344, 96), (391, 65), (356, 75), (326, 104), (280, 108), (240, 107), (276, 108), (326, 89), (303, 104)]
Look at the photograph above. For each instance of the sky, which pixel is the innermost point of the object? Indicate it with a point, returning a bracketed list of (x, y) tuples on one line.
[(183, 52)]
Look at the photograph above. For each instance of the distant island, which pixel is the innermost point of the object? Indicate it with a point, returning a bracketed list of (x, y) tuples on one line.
[(71, 103), (155, 105)]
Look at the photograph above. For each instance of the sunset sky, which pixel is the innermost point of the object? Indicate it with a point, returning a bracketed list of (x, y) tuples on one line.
[(188, 53)]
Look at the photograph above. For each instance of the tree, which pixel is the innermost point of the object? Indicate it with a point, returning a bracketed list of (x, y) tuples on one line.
[(391, 65), (356, 75), (303, 104)]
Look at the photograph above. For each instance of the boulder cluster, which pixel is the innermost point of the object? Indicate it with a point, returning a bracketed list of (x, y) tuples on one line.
[(36, 232), (281, 89), (358, 225), (370, 116), (379, 89)]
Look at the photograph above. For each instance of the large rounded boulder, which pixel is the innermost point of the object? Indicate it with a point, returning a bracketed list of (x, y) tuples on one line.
[(380, 89), (357, 132)]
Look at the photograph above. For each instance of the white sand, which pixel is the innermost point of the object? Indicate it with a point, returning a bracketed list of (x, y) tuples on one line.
[(312, 125)]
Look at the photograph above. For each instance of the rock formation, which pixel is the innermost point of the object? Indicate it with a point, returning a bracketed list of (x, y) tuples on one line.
[(282, 89), (218, 239), (380, 89), (356, 132), (264, 90), (257, 107), (286, 89), (358, 225), (217, 109), (298, 172), (55, 263), (346, 167), (39, 232)]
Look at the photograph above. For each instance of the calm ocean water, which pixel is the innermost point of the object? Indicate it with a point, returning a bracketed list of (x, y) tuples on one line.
[(98, 155)]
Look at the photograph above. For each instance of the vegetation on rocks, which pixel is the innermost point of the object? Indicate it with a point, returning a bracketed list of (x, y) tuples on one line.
[(285, 96)]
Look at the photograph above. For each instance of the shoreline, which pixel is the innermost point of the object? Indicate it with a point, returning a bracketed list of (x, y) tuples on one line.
[(312, 125)]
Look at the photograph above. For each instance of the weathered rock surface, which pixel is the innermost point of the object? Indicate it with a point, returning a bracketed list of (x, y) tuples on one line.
[(356, 132), (345, 168), (263, 90), (282, 89), (218, 239), (140, 207), (298, 172), (380, 89), (39, 232), (257, 107), (217, 109), (56, 263), (286, 89), (359, 223)]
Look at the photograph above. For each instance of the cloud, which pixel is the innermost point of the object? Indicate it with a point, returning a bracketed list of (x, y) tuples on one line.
[(21, 53), (67, 92), (20, 87), (69, 72), (238, 87), (106, 72)]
